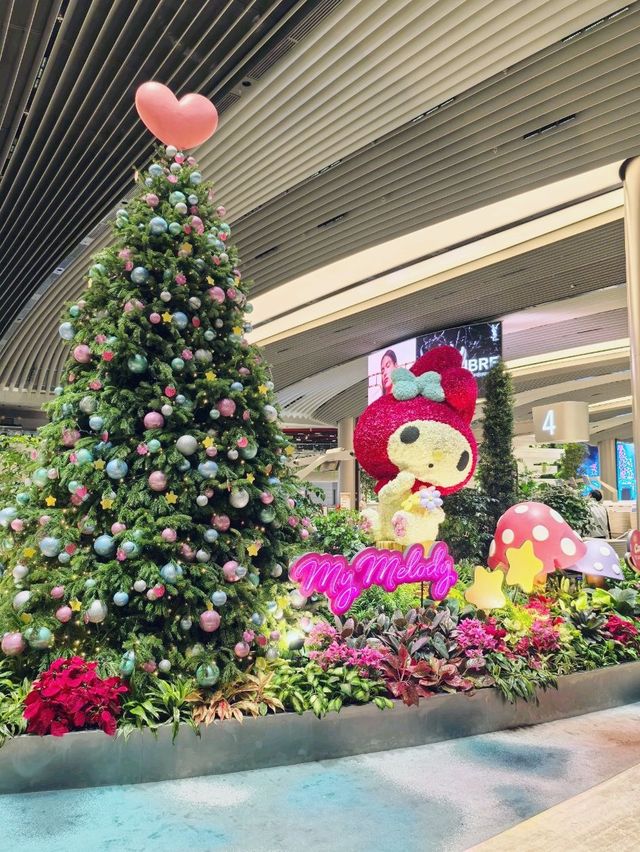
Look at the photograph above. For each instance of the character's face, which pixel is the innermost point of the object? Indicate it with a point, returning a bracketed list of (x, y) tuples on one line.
[(387, 366), (433, 452)]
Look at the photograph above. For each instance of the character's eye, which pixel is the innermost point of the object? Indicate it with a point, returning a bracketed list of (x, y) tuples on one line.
[(409, 434), (463, 461)]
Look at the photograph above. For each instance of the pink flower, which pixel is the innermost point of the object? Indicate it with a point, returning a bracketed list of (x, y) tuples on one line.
[(248, 635), (142, 449), (95, 384), (82, 491), (73, 458), (120, 555), (170, 391), (128, 266), (399, 527), (180, 278), (172, 178), (187, 354), (107, 355), (101, 338)]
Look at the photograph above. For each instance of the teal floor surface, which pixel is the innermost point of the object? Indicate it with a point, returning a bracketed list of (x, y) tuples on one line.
[(445, 796)]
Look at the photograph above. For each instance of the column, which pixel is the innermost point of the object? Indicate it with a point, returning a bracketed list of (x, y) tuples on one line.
[(607, 453), (347, 469), (630, 176)]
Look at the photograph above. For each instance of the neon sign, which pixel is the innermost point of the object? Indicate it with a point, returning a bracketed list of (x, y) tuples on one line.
[(342, 582)]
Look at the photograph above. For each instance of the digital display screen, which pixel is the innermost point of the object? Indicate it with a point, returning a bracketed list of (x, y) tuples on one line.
[(480, 346), (626, 470), (590, 467)]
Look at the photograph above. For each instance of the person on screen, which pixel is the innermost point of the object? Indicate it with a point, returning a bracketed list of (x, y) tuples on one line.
[(599, 516), (388, 364)]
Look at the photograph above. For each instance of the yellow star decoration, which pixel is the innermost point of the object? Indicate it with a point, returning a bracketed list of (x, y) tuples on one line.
[(29, 552), (263, 389), (75, 605), (208, 442), (166, 316), (171, 498), (26, 617), (210, 280), (236, 329), (106, 502), (486, 590), (99, 464), (524, 566), (50, 501), (251, 478), (289, 450), (254, 548), (210, 376)]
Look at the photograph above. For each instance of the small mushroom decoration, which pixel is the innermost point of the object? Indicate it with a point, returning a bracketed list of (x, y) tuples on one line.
[(599, 561), (555, 544)]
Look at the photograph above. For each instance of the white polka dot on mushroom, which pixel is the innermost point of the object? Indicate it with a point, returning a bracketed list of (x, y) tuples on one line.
[(556, 516), (604, 551), (508, 536), (521, 508), (540, 532), (598, 566), (492, 547), (567, 547)]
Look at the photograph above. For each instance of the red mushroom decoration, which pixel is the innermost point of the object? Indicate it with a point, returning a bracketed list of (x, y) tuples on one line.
[(555, 544)]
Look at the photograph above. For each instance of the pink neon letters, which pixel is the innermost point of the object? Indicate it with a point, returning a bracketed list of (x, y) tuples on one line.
[(342, 582)]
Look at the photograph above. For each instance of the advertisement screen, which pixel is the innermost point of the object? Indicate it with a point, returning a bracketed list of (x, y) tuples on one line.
[(626, 470), (480, 346), (590, 468)]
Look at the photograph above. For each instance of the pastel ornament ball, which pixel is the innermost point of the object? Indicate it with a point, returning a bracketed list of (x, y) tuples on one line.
[(210, 620), (13, 644), (157, 480)]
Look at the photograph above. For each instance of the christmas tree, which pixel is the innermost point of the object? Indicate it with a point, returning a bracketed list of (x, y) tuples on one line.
[(156, 525)]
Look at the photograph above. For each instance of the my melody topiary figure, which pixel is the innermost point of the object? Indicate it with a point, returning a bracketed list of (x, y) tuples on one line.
[(159, 517), (417, 442)]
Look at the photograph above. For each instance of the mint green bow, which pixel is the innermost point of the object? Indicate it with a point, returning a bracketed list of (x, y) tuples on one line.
[(407, 386)]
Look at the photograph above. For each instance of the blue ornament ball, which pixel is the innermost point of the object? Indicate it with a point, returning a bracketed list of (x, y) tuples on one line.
[(96, 423), (127, 663), (97, 269), (39, 638), (180, 319), (208, 469), (117, 468), (237, 386), (257, 619), (184, 466), (209, 334), (104, 545), (58, 390), (211, 535), (50, 546), (40, 477), (139, 275), (219, 598), (84, 456), (195, 178), (176, 197), (121, 599), (174, 168), (137, 363), (153, 445), (175, 228), (156, 170), (90, 583), (23, 498), (214, 414), (254, 579), (64, 558), (170, 572), (241, 571), (66, 331), (177, 364), (158, 226), (73, 486), (74, 310), (181, 399), (192, 199), (130, 548)]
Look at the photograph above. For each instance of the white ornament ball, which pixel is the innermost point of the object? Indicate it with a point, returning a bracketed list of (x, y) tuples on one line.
[(165, 296), (167, 409), (297, 599), (239, 498), (195, 303), (21, 599), (164, 666), (202, 556), (204, 356), (202, 499), (187, 445), (97, 612), (139, 585), (20, 572)]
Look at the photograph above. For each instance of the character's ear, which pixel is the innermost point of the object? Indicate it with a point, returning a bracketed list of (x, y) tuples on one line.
[(439, 359), (460, 391)]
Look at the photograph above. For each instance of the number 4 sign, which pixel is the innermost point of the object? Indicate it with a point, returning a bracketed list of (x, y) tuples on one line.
[(549, 422)]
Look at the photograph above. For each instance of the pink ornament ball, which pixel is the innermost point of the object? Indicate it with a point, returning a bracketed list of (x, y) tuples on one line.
[(168, 534), (226, 407), (152, 199), (248, 635), (242, 442), (221, 522), (211, 452), (292, 521), (242, 650), (246, 415), (232, 294), (179, 158), (170, 391), (209, 620), (180, 278), (70, 437), (291, 502), (197, 224), (149, 667), (261, 640), (17, 525), (216, 294), (64, 614), (43, 520), (153, 420), (157, 480), (155, 318), (128, 307), (220, 211), (57, 592), (82, 353), (229, 570), (304, 534), (244, 371), (12, 644), (117, 528)]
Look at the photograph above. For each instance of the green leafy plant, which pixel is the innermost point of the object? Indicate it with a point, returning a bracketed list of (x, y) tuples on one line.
[(249, 695), (565, 499), (158, 702), (309, 687), (469, 524), (572, 457), (12, 696), (338, 532), (497, 468)]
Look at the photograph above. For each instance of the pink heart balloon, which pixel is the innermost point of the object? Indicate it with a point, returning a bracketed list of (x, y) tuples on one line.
[(184, 123)]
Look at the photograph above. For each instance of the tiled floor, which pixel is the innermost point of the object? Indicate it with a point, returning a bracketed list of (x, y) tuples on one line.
[(447, 796)]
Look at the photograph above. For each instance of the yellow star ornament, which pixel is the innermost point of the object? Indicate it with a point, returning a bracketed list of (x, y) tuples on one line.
[(75, 605), (166, 316), (208, 442), (254, 548), (486, 590), (50, 501), (171, 498), (107, 502), (210, 376), (99, 464), (263, 389), (524, 566), (237, 329), (29, 552), (251, 478)]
